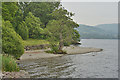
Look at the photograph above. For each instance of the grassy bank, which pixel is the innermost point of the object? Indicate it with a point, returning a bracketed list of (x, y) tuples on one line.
[(31, 42), (8, 63)]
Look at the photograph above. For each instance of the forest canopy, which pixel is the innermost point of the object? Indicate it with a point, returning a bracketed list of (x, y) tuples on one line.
[(36, 20)]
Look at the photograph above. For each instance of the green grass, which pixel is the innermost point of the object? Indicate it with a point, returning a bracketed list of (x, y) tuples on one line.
[(9, 63), (31, 42)]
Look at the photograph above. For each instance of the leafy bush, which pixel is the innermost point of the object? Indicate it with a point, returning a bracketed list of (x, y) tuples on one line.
[(22, 30), (9, 64), (55, 50), (11, 41)]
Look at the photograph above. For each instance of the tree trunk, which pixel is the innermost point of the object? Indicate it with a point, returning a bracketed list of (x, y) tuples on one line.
[(61, 42)]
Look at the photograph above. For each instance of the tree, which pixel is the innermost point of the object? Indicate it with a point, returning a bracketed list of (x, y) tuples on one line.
[(11, 41), (18, 19), (41, 10), (76, 37), (59, 32), (62, 13), (22, 30), (61, 29), (34, 26), (9, 10)]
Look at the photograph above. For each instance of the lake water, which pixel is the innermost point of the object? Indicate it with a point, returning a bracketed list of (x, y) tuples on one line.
[(91, 65)]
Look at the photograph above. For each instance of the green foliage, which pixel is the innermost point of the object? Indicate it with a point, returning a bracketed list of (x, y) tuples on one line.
[(9, 10), (59, 32), (9, 63), (18, 19), (36, 17), (76, 36), (55, 50), (22, 30), (34, 26), (11, 41), (42, 10), (61, 29), (55, 27), (41, 20), (12, 13), (67, 43), (7, 24), (61, 13)]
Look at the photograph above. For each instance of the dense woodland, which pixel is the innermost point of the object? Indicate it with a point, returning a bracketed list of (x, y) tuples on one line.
[(48, 21)]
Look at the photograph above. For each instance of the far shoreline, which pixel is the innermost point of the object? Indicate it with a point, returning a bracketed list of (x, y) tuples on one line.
[(104, 39)]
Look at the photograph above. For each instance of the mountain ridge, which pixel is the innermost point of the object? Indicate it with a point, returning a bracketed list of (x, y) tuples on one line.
[(101, 31)]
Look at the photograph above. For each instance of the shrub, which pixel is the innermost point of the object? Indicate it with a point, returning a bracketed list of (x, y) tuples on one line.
[(11, 41), (55, 50), (9, 64)]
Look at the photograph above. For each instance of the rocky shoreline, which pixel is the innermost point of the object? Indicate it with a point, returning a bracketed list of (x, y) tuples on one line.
[(20, 74), (36, 54)]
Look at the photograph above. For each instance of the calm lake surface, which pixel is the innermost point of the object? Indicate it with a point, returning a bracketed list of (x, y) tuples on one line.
[(91, 65)]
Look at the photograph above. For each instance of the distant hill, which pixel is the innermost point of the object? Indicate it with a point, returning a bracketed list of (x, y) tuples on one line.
[(98, 32), (113, 28)]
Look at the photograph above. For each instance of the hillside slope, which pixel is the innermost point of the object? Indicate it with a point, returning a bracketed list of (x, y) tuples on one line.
[(91, 32), (113, 28)]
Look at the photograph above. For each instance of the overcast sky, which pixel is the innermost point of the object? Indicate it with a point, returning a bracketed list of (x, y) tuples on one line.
[(93, 13)]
